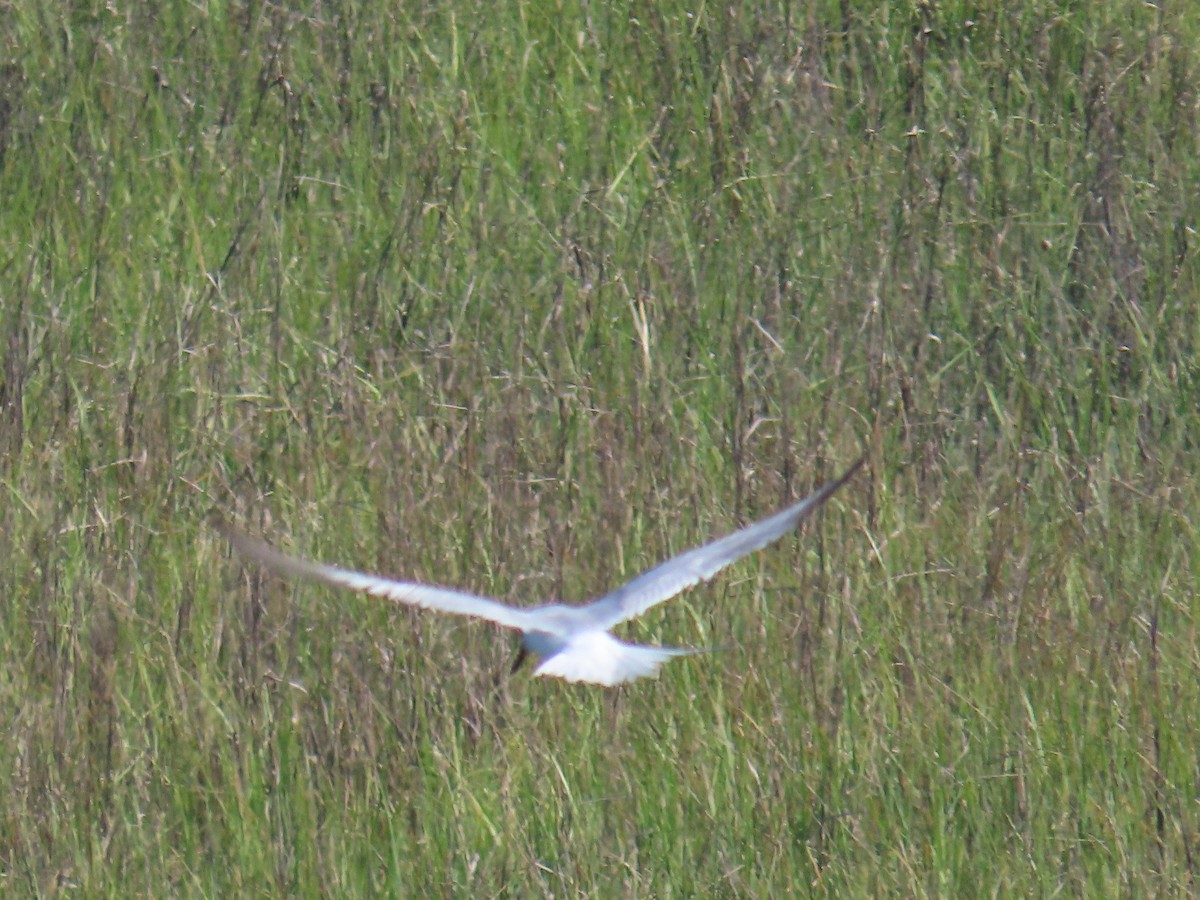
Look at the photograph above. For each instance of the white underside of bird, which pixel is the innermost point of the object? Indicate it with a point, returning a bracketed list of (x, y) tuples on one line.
[(597, 657), (573, 642)]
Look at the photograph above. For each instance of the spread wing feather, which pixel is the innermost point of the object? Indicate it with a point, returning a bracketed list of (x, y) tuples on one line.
[(681, 572), (420, 595)]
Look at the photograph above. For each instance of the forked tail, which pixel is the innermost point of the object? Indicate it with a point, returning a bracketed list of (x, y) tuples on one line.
[(597, 657)]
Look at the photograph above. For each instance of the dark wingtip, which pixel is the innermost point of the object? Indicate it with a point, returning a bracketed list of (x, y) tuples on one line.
[(854, 467), (260, 551), (828, 489), (238, 538), (219, 524)]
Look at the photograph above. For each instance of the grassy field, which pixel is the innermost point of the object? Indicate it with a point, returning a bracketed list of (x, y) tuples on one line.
[(524, 297)]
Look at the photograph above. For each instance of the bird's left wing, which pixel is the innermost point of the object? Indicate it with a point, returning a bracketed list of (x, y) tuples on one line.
[(420, 595)]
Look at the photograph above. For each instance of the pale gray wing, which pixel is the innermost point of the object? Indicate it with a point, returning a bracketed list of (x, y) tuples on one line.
[(420, 595), (690, 568)]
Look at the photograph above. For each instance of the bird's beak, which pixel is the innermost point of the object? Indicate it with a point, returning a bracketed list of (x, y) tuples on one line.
[(522, 655)]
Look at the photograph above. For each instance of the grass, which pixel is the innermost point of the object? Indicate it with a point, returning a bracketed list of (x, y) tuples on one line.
[(524, 298)]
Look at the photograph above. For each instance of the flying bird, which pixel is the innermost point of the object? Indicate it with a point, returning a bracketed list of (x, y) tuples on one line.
[(573, 642)]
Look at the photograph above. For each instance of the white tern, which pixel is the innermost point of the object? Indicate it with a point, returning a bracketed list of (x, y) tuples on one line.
[(573, 642)]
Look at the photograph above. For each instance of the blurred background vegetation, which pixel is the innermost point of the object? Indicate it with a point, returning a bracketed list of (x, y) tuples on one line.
[(524, 297)]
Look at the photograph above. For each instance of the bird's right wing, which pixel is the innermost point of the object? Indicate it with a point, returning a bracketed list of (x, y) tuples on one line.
[(666, 580), (420, 595)]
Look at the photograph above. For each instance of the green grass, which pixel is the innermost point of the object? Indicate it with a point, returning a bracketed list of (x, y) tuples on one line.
[(523, 298)]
